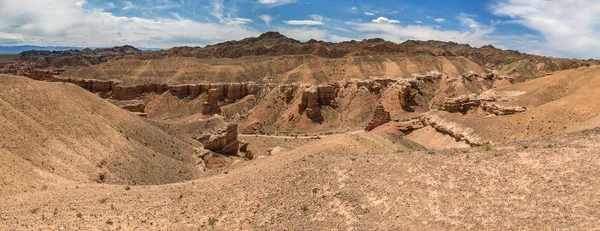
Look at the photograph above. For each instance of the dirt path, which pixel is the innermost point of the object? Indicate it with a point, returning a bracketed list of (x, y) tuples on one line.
[(299, 137)]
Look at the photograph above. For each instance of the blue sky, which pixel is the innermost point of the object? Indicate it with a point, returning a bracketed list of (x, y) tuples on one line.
[(565, 28)]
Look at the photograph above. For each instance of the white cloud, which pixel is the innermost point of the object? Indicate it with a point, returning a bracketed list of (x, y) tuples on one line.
[(419, 22), (80, 3), (110, 5), (569, 28), (370, 13), (316, 17), (98, 28), (273, 3), (218, 11), (128, 5), (476, 36), (267, 19), (384, 20), (303, 34), (440, 20), (304, 22)]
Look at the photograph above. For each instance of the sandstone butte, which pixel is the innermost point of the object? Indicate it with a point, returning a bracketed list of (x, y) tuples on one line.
[(270, 133)]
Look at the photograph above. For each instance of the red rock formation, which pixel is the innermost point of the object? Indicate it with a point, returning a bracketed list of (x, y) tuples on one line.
[(236, 91), (121, 92), (310, 105), (211, 105), (223, 142), (381, 116), (404, 96)]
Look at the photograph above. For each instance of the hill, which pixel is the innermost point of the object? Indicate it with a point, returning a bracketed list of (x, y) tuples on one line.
[(56, 132)]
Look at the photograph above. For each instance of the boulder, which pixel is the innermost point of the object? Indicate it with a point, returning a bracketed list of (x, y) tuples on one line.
[(223, 141)]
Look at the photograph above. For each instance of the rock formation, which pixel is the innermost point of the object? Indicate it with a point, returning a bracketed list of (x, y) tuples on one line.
[(224, 141), (409, 126), (211, 105), (497, 109), (381, 116), (461, 103), (436, 120), (310, 105), (134, 107), (404, 96)]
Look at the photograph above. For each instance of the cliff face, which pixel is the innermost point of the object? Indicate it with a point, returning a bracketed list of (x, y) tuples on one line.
[(211, 105), (381, 116)]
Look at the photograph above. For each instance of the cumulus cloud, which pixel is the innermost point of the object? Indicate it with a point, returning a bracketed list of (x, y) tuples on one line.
[(384, 20), (267, 19), (569, 28), (33, 24), (440, 20)]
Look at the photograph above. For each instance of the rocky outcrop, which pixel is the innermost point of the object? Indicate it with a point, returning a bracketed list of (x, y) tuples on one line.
[(381, 116), (310, 105), (409, 126), (487, 102), (316, 96), (497, 109), (224, 141), (134, 107), (211, 105), (436, 120), (461, 103)]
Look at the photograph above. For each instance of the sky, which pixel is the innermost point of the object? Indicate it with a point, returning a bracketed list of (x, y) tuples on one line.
[(560, 28)]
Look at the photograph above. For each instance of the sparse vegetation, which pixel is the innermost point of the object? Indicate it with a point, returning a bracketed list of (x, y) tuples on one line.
[(525, 146), (487, 147), (103, 200), (304, 208), (212, 221), (79, 215), (33, 211)]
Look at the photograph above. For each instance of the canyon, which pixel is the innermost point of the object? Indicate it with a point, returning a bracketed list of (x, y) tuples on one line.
[(273, 133)]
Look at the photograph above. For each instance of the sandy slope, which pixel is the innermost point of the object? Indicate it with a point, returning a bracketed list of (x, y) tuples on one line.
[(55, 132), (346, 182), (565, 101)]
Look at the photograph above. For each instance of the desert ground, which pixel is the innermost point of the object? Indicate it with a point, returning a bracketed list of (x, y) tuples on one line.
[(269, 133)]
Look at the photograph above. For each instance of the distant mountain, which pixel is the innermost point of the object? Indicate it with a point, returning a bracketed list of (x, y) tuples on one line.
[(19, 49), (22, 48)]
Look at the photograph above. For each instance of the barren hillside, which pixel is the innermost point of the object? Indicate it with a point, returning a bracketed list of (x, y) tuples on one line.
[(54, 133)]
